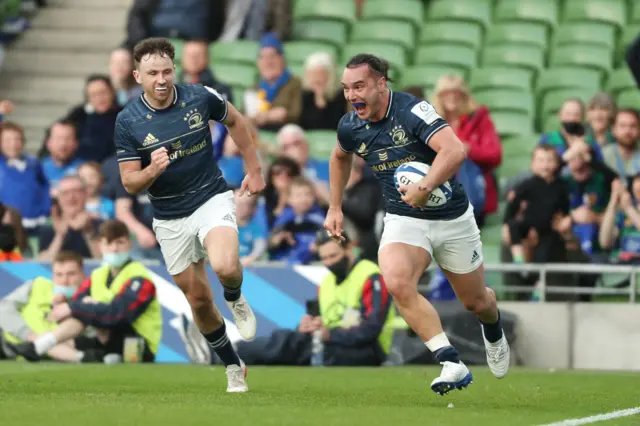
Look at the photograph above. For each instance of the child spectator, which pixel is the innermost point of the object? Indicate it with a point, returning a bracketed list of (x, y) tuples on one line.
[(252, 228), (279, 177), (98, 207), (620, 228), (540, 200), (295, 228)]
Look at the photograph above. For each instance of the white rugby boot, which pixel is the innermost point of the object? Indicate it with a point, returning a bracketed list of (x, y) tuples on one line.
[(453, 376), (244, 318), (236, 378), (498, 356)]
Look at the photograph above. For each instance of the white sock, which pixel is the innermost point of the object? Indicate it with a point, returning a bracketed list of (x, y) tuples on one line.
[(45, 343), (438, 342), (79, 356)]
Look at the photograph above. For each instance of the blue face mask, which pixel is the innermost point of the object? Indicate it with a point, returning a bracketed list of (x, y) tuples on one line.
[(116, 260), (68, 292)]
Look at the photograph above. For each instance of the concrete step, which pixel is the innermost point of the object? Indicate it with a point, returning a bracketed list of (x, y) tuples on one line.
[(79, 40), (85, 18), (94, 4), (34, 137), (30, 62), (43, 89), (36, 115)]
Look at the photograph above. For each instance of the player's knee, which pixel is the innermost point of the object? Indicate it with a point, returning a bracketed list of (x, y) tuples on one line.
[(479, 304), (400, 288), (227, 269), (199, 299)]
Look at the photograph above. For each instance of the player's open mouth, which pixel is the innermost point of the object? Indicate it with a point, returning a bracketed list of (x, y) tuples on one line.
[(359, 107), (161, 89)]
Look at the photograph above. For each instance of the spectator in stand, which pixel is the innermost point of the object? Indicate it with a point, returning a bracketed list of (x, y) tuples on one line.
[(600, 113), (252, 229), (620, 229), (13, 239), (473, 126), (295, 228), (121, 75), (623, 157), (323, 104), (196, 70), (23, 184), (269, 16), (278, 99), (62, 145), (72, 228), (293, 144), (98, 206), (279, 177), (6, 107)]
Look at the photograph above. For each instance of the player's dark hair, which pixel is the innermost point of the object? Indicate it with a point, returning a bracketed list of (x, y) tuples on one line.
[(376, 64), (153, 46), (68, 256), (113, 229)]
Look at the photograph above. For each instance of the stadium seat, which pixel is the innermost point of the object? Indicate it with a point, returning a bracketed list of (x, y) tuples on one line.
[(629, 99), (508, 100), (321, 143), (635, 12), (11, 9), (297, 51), (582, 55), (426, 76), (238, 97), (476, 11), (401, 33), (410, 11), (268, 138), (497, 77), (491, 235), (323, 30), (237, 75), (620, 80), (550, 123), (543, 12), (337, 10), (611, 12), (178, 46), (452, 55), (518, 152), (586, 33), (512, 123), (629, 33), (551, 102), (524, 56), (243, 51), (451, 32), (393, 53), (517, 32), (568, 77)]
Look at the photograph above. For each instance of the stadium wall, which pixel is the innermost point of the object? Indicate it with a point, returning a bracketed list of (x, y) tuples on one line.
[(550, 335)]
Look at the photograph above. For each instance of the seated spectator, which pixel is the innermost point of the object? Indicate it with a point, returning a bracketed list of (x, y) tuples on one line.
[(353, 316), (535, 203), (278, 99), (13, 239), (196, 70), (600, 113), (323, 104), (273, 16), (121, 75), (620, 228), (293, 144), (473, 126), (72, 228), (295, 228), (623, 157), (118, 300), (23, 184), (252, 229), (276, 193), (98, 207), (62, 161), (25, 312)]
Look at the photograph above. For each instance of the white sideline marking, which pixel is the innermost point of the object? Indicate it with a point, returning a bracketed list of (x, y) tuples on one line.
[(597, 418)]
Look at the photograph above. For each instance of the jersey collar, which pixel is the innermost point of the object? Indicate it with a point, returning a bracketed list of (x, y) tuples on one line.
[(175, 100), (390, 102)]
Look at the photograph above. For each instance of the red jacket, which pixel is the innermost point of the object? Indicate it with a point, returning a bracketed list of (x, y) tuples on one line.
[(478, 131)]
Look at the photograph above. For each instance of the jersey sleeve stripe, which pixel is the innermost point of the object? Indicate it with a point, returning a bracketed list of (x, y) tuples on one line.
[(436, 130), (340, 146), (226, 111), (120, 160)]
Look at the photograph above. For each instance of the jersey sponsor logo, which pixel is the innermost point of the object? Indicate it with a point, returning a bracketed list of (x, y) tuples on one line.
[(194, 119), (398, 135), (150, 139), (185, 152), (391, 165), (425, 112)]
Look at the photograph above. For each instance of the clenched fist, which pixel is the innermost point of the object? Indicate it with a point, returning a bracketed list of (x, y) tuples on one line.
[(159, 161)]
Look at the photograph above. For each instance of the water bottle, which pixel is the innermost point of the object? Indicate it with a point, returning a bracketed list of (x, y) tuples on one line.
[(317, 349)]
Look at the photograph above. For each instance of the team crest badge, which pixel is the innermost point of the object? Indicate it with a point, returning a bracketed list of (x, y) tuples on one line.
[(398, 135), (194, 119)]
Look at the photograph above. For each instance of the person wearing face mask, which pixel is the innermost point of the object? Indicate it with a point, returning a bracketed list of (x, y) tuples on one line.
[(118, 299), (353, 314), (25, 313)]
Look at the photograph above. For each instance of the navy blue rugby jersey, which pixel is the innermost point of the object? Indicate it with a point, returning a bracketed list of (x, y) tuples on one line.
[(193, 176), (401, 136)]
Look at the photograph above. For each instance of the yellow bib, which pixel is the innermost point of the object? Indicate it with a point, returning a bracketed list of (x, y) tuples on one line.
[(37, 309)]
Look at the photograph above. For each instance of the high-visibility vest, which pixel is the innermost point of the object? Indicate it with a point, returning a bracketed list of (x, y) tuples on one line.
[(37, 309)]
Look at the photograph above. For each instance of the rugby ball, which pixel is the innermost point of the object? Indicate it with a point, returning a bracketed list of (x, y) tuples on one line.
[(412, 172)]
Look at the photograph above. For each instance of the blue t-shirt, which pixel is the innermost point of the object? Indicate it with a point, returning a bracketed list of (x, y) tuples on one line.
[(232, 169), (55, 173), (24, 187), (248, 234), (303, 228)]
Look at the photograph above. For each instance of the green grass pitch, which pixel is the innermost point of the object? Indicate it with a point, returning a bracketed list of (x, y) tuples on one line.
[(184, 395)]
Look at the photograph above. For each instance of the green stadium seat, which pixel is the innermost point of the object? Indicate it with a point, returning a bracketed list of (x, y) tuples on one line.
[(244, 51), (475, 11), (426, 76), (12, 8), (491, 235), (337, 10), (519, 146), (551, 123), (551, 102), (452, 55), (635, 12), (296, 68), (178, 45), (391, 52), (508, 100), (515, 166), (323, 30), (321, 143), (268, 138), (497, 77), (629, 99), (524, 56), (629, 33), (512, 123), (237, 75), (582, 55), (620, 80), (410, 11), (543, 12), (612, 12), (238, 97), (401, 33), (451, 32), (568, 77), (586, 33), (297, 51), (517, 32)]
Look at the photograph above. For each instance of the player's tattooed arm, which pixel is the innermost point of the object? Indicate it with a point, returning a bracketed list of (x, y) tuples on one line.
[(450, 155)]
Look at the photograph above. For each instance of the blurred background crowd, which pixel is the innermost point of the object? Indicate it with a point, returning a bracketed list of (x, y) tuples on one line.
[(538, 90)]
